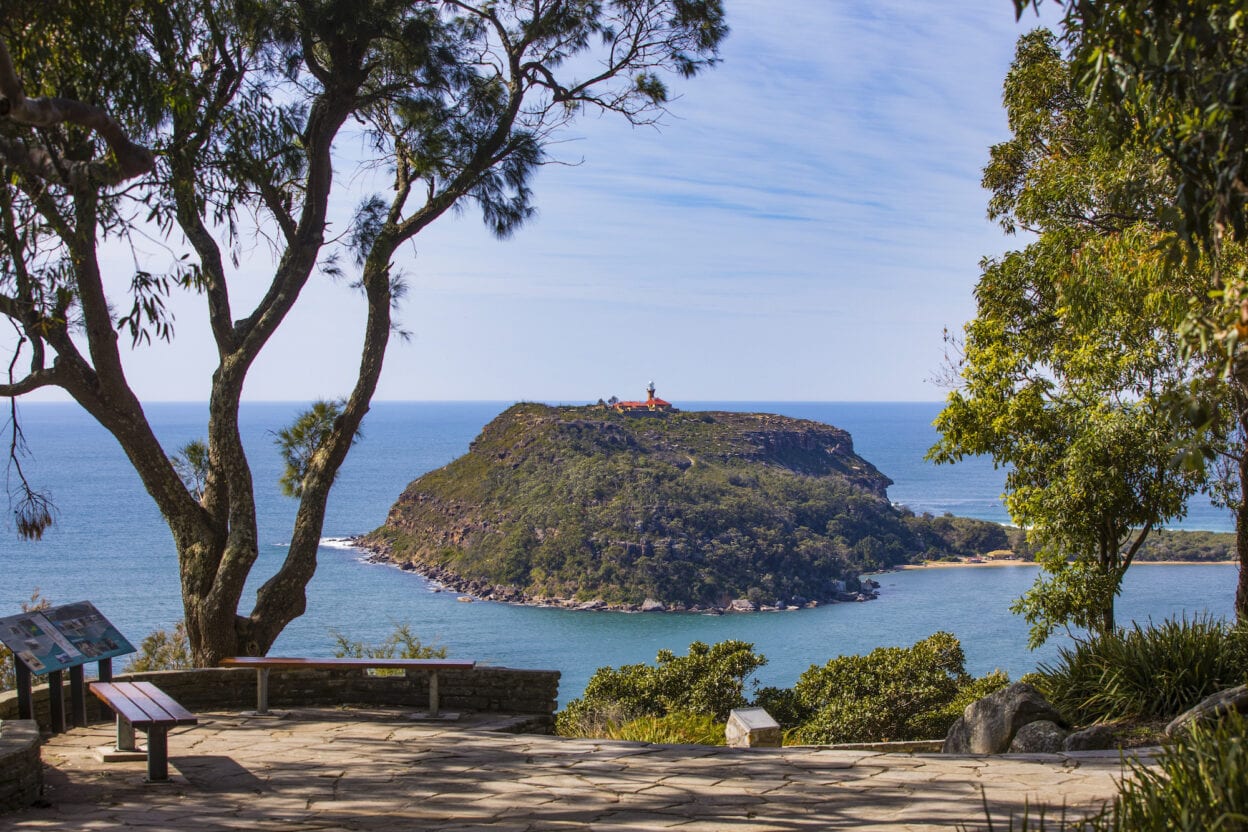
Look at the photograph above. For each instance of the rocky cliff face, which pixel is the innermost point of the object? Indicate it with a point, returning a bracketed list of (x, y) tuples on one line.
[(687, 509)]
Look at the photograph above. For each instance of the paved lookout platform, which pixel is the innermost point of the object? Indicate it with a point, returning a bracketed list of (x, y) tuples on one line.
[(328, 769)]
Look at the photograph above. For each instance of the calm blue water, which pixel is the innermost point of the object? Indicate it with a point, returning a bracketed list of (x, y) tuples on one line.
[(112, 547)]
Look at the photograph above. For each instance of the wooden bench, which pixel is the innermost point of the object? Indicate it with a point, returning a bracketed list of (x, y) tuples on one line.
[(144, 706), (263, 664)]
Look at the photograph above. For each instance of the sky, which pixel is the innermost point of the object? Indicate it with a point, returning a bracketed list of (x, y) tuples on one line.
[(803, 226)]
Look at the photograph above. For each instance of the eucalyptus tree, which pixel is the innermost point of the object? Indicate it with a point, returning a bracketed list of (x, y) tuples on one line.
[(202, 121), (1073, 360), (1174, 75)]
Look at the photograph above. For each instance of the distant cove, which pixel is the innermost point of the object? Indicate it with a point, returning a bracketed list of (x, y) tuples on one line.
[(112, 547)]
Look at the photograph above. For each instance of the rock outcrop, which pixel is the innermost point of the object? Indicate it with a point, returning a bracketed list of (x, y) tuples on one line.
[(1210, 709), (989, 725)]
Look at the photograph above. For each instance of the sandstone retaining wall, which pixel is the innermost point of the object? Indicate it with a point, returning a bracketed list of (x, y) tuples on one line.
[(21, 770), (491, 689)]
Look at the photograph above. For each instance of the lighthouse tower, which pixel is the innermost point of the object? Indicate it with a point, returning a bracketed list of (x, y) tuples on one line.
[(650, 394)]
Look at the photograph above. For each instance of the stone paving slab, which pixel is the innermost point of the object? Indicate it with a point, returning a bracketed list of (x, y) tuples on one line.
[(374, 771)]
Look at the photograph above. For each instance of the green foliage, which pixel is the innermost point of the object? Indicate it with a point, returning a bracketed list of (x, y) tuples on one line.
[(678, 728), (1200, 784), (1067, 593), (1197, 784), (402, 643), (1175, 73), (1073, 363), (163, 650), (299, 442), (191, 465), (1153, 672), (709, 681), (208, 125), (1184, 545), (892, 693)]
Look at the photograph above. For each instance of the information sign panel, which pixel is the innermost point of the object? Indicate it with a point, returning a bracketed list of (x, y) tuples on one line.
[(61, 637)]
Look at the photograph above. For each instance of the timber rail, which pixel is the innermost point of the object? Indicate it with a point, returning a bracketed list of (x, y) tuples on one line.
[(263, 664)]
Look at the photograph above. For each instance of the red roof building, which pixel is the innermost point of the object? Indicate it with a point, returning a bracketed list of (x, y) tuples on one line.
[(652, 404)]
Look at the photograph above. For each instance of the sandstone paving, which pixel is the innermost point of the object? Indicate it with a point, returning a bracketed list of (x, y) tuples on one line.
[(331, 769)]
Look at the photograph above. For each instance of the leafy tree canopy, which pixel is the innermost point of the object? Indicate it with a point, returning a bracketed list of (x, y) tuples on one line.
[(1071, 367), (206, 125)]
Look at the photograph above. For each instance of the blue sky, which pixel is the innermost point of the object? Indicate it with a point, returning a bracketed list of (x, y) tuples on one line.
[(803, 226)]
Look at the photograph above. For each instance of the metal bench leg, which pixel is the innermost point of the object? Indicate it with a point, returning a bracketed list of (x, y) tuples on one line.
[(125, 735), (433, 693), (157, 754), (262, 690)]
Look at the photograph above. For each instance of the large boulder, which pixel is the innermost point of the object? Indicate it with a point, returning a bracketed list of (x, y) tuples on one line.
[(1211, 709), (988, 725)]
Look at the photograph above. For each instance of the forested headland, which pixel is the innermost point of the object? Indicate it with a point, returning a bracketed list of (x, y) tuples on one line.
[(687, 509)]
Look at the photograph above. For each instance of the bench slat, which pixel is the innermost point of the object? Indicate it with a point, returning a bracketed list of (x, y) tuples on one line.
[(142, 704), (166, 703), (157, 716), (116, 699), (282, 663)]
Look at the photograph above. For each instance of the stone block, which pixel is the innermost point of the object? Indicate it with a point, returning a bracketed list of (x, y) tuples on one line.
[(21, 768), (752, 728)]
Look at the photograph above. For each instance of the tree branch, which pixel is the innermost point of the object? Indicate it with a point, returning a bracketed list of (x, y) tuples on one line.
[(132, 159)]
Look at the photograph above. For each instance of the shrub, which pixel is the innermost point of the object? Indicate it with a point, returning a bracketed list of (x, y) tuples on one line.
[(163, 650), (400, 644), (783, 705), (679, 727), (1198, 784), (709, 681), (892, 693), (1145, 673)]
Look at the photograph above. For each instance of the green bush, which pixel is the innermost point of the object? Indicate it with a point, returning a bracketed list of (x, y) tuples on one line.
[(679, 728), (163, 650), (1198, 784), (892, 693), (1145, 673), (400, 644), (709, 681)]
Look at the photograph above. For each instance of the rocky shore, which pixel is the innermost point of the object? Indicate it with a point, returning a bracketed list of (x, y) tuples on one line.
[(476, 590)]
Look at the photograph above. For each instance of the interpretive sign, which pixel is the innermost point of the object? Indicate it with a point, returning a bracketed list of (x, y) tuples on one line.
[(62, 637)]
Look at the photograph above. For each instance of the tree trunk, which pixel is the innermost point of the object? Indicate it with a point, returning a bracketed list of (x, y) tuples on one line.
[(1239, 383), (1241, 515)]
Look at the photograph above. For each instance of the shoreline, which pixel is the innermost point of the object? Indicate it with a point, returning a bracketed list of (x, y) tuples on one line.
[(443, 580), (994, 564)]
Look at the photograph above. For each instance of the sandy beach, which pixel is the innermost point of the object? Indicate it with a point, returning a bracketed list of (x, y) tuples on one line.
[(940, 564)]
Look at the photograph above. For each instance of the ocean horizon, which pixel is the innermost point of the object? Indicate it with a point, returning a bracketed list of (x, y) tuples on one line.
[(111, 546)]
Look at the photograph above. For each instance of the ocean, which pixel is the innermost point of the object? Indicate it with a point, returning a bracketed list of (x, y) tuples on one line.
[(111, 546)]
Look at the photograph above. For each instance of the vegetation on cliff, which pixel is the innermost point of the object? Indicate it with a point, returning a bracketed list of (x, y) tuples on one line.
[(694, 508)]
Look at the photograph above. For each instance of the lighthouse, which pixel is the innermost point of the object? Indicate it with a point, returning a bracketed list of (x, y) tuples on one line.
[(652, 404)]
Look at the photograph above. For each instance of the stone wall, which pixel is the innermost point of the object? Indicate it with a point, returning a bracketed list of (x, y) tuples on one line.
[(491, 689), (21, 770)]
